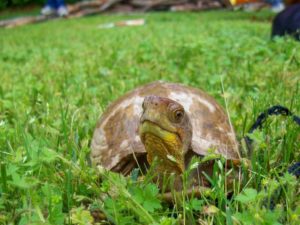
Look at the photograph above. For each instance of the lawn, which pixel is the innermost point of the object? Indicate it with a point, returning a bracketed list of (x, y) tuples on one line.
[(58, 77)]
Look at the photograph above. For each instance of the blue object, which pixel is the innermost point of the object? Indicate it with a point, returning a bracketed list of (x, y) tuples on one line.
[(274, 3), (55, 4)]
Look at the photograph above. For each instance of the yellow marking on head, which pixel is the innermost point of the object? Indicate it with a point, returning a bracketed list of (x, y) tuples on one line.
[(164, 145), (169, 137)]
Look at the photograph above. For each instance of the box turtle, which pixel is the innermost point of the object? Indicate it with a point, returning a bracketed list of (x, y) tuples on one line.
[(166, 121)]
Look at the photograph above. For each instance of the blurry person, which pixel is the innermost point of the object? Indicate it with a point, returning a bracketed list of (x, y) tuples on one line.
[(287, 22), (55, 6)]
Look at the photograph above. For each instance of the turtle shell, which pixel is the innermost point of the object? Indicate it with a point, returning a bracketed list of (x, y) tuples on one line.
[(116, 139)]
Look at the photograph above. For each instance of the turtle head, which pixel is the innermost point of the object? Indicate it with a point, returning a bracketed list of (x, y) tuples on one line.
[(166, 132)]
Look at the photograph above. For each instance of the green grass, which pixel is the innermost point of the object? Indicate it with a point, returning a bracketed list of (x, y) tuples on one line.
[(58, 77)]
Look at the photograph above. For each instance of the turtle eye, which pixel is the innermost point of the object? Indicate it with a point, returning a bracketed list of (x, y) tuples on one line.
[(178, 115)]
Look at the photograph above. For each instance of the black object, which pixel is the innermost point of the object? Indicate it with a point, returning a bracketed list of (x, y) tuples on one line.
[(287, 22), (274, 110), (295, 169)]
